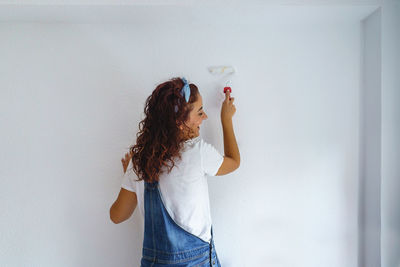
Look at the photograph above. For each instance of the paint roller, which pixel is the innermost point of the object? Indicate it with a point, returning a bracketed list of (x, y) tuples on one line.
[(223, 70)]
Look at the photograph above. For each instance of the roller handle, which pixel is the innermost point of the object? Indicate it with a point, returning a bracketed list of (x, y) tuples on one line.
[(227, 88)]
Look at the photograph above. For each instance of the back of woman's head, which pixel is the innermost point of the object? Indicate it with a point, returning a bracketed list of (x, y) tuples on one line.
[(160, 138)]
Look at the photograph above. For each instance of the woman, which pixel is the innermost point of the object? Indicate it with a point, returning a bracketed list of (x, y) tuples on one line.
[(171, 161)]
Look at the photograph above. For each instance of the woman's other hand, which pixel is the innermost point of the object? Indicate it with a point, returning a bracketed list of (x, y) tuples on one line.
[(125, 161)]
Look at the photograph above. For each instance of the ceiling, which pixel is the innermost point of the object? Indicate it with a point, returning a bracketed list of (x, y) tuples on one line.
[(188, 2), (190, 11)]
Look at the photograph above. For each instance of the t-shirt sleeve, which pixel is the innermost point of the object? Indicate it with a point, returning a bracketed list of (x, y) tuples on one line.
[(128, 180), (211, 159)]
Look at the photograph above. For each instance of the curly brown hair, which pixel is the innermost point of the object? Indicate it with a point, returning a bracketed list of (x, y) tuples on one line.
[(159, 139)]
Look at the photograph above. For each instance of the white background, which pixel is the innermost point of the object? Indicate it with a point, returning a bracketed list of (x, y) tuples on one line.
[(74, 80)]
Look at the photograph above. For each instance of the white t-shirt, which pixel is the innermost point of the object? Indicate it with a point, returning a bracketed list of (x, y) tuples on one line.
[(184, 191)]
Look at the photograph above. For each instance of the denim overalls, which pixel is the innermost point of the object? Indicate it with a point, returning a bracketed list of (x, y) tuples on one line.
[(167, 244)]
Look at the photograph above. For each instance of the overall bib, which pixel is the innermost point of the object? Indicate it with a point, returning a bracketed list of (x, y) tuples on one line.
[(167, 244)]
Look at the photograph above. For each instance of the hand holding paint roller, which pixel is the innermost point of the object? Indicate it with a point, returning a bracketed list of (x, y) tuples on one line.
[(228, 109)]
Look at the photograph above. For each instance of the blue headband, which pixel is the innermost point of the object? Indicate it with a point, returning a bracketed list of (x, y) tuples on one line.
[(185, 92)]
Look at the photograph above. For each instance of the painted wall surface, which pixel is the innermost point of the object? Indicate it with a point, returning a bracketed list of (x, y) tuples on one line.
[(370, 149), (390, 192), (72, 96)]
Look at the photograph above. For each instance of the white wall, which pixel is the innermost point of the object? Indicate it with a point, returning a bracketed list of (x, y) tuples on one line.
[(390, 191), (72, 96), (370, 149)]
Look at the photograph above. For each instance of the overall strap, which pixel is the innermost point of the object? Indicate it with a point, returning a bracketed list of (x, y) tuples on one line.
[(151, 186)]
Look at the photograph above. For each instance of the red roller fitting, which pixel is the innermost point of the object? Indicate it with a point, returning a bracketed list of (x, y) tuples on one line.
[(227, 89)]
